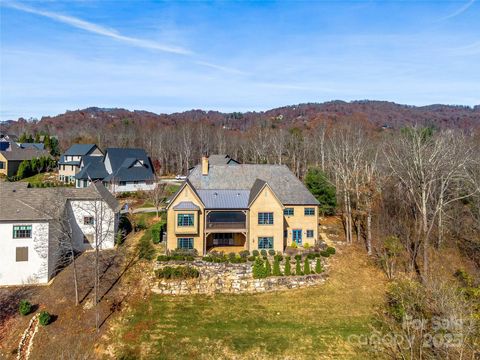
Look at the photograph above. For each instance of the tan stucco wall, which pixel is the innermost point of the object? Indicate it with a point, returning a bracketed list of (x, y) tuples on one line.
[(5, 165), (266, 202), (298, 221), (10, 166), (173, 232), (70, 170)]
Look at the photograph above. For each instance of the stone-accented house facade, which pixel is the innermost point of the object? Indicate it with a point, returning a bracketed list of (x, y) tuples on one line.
[(69, 163), (39, 225), (229, 206)]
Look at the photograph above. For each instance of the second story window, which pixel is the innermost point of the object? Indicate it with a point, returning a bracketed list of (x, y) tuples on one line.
[(22, 232), (288, 211), (309, 211), (88, 220), (265, 218), (185, 219)]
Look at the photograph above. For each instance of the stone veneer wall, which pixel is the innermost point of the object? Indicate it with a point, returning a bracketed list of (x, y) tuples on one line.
[(231, 278)]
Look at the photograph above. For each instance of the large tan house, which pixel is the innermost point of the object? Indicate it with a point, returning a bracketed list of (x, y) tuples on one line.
[(227, 206)]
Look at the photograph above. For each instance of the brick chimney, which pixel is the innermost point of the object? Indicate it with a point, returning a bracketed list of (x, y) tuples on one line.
[(205, 165)]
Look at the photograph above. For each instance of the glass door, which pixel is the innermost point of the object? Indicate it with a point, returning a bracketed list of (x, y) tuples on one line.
[(297, 236)]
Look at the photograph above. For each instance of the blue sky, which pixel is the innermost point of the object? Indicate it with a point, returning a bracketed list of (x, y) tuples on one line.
[(234, 56)]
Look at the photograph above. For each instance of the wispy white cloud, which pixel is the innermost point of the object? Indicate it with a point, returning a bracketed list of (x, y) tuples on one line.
[(459, 11), (221, 67), (100, 30)]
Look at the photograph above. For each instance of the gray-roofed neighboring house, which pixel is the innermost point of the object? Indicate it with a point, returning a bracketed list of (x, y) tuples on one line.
[(11, 158), (70, 160), (121, 169), (33, 230)]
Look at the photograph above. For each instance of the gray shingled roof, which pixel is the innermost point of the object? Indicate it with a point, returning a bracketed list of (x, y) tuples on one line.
[(37, 146), (123, 161), (221, 159), (20, 203), (93, 168), (186, 205), (79, 149), (224, 199), (16, 153), (289, 189)]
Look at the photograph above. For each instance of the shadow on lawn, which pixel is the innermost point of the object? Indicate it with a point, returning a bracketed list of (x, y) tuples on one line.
[(9, 299)]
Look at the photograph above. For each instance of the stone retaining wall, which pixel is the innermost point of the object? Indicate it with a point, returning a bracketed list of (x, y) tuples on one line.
[(230, 278)]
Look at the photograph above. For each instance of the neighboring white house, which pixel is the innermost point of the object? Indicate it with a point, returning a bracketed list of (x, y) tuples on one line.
[(120, 170), (36, 225)]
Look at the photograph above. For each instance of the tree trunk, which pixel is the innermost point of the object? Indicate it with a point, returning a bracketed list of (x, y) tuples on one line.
[(369, 232)]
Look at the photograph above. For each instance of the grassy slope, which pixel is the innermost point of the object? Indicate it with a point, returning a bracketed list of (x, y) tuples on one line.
[(305, 323)]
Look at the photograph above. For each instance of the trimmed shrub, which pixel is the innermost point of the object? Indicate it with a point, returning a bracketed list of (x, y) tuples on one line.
[(177, 272), (156, 231), (306, 245), (298, 268), (287, 270), (331, 250), (164, 258), (24, 307), (145, 248), (255, 253), (318, 266), (271, 252), (251, 258), (298, 257), (306, 267), (276, 267), (325, 253), (259, 270), (279, 257), (44, 318), (263, 252), (311, 256), (317, 254), (207, 258), (232, 256), (268, 268), (244, 254), (293, 245)]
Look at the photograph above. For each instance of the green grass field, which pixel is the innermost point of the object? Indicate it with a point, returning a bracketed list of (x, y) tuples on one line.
[(298, 324)]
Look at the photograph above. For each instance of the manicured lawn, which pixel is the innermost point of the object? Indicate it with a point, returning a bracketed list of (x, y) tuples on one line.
[(300, 324)]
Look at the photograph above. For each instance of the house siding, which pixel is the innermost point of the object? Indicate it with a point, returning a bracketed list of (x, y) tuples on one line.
[(34, 271), (266, 201), (199, 221), (298, 221)]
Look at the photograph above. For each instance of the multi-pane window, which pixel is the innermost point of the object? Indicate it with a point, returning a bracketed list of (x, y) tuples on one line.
[(88, 220), (309, 233), (22, 231), (265, 242), (265, 218), (185, 243), (185, 220), (21, 254), (288, 211), (309, 211), (2, 165)]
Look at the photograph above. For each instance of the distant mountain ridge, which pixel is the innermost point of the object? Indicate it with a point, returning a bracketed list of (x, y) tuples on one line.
[(377, 113)]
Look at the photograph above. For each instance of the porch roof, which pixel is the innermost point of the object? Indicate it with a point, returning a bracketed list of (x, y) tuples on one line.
[(186, 205), (224, 199)]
